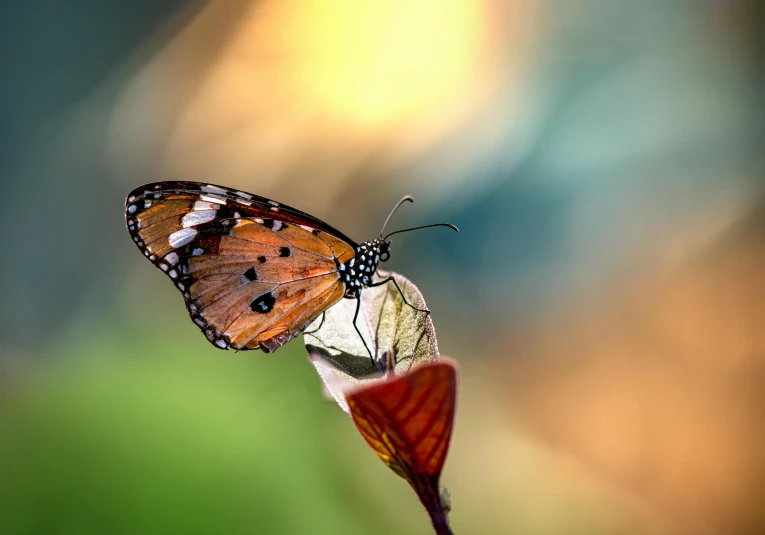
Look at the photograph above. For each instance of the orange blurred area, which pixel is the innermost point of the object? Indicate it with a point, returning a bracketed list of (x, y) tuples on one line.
[(656, 387)]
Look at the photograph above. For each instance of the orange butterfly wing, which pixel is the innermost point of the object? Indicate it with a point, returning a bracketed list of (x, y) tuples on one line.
[(254, 273)]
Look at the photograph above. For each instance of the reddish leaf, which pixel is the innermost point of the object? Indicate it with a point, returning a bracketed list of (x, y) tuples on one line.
[(407, 420)]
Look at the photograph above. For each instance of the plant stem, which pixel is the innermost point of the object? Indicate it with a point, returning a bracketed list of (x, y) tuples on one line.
[(440, 523), (427, 491)]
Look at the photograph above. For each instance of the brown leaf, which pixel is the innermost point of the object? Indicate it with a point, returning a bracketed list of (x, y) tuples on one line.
[(407, 420)]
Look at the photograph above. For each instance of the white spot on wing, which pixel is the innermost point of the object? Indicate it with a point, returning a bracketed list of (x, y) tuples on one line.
[(202, 205), (273, 203), (197, 218), (221, 344), (172, 258), (197, 251), (244, 195), (179, 238), (173, 274), (164, 267), (213, 189), (146, 203), (213, 198), (277, 225), (132, 208)]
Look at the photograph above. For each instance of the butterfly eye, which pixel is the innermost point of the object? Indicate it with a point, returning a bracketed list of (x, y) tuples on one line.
[(384, 251), (384, 256)]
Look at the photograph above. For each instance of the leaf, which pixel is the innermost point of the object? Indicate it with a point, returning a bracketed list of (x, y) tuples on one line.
[(392, 329), (407, 420)]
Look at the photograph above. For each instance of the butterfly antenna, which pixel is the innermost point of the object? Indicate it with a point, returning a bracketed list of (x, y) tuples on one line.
[(455, 229), (398, 204)]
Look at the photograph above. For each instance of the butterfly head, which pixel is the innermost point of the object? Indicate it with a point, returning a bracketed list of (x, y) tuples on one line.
[(384, 250)]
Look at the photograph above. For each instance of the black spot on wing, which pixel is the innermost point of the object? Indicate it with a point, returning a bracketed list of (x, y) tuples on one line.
[(262, 259), (226, 212), (275, 224), (251, 274), (263, 304), (284, 252)]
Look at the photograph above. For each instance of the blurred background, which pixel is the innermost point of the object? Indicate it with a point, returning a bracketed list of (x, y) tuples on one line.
[(605, 297)]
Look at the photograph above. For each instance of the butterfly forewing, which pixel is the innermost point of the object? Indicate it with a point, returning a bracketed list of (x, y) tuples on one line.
[(253, 272)]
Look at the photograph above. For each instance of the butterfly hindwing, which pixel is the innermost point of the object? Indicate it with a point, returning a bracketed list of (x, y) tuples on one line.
[(253, 272)]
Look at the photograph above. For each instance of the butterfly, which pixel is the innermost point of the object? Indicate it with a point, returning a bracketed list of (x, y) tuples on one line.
[(254, 273)]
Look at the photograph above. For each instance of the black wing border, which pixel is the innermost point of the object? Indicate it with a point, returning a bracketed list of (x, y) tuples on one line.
[(250, 204)]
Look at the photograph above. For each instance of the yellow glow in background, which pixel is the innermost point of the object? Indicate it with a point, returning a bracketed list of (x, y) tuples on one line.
[(376, 64)]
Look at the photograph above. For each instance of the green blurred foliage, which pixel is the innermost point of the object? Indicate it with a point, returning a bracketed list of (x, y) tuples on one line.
[(162, 437)]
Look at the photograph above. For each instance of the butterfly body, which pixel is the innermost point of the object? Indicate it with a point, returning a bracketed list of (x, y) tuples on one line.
[(357, 272), (254, 273)]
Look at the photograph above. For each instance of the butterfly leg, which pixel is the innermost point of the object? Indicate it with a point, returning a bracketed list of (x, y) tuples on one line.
[(391, 279), (320, 324), (355, 316)]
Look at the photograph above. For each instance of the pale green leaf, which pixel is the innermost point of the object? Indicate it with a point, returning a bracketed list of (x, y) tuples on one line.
[(393, 331)]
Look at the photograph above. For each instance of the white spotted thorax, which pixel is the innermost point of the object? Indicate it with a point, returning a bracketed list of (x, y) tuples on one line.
[(358, 272)]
